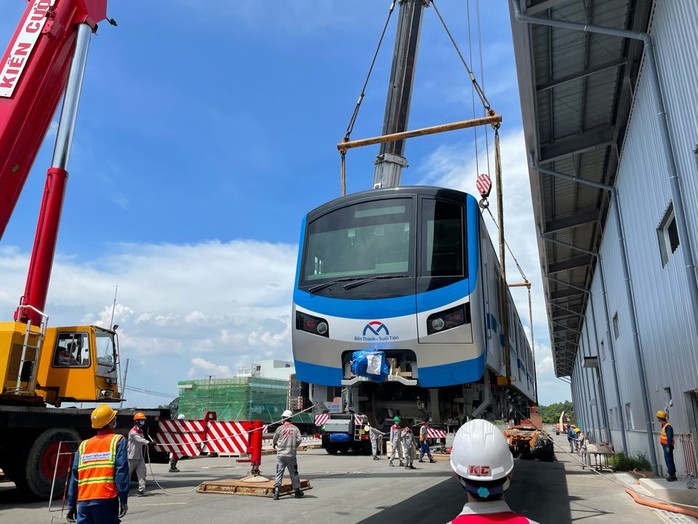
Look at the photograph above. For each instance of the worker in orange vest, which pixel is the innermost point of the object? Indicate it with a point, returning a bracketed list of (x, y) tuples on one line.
[(482, 462), (98, 488), (666, 439)]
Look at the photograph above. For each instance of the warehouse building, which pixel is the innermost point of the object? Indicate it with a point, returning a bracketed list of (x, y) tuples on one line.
[(610, 112)]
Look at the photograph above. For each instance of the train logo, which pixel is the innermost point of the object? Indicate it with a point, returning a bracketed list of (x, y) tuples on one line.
[(376, 331), (375, 328)]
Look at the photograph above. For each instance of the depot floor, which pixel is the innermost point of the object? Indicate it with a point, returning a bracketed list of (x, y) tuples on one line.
[(349, 488)]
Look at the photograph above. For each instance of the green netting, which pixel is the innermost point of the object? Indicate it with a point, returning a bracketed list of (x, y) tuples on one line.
[(241, 398)]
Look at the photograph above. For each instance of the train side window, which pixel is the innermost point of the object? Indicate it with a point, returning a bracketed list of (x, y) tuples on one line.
[(442, 239), (71, 351)]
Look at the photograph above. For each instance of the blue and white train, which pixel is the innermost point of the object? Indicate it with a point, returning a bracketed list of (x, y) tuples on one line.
[(409, 272)]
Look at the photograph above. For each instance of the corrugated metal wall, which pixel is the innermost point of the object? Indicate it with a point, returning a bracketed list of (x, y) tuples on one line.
[(667, 337)]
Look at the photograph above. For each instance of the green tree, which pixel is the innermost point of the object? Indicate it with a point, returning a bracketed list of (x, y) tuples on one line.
[(551, 413)]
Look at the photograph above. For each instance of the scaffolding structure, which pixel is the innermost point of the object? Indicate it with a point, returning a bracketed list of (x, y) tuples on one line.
[(238, 398)]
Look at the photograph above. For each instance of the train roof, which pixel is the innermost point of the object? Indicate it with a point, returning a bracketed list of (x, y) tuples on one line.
[(373, 194)]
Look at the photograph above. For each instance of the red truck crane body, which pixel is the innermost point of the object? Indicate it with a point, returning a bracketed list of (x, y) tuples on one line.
[(33, 78)]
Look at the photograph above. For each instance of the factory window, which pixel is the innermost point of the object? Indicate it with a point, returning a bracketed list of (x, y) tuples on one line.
[(629, 416), (616, 330), (667, 235)]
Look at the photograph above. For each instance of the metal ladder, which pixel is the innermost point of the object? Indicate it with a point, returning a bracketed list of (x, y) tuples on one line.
[(28, 338)]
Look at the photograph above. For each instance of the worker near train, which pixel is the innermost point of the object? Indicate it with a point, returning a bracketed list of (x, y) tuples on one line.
[(396, 441), (98, 487), (666, 439), (376, 437), (287, 438), (482, 462), (571, 438), (424, 442), (136, 447), (408, 446)]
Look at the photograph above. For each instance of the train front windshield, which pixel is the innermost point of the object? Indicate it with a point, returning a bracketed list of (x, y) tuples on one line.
[(367, 239)]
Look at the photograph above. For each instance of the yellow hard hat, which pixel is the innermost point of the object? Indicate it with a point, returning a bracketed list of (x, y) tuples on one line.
[(661, 414), (101, 416), (577, 430), (138, 415)]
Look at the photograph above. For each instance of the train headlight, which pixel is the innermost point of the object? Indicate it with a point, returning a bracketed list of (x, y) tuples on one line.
[(448, 319), (437, 324), (311, 324)]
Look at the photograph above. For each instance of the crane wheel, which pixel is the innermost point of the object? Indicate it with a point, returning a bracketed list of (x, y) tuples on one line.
[(42, 460)]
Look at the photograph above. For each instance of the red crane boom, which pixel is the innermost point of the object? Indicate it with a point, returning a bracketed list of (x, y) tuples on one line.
[(34, 72)]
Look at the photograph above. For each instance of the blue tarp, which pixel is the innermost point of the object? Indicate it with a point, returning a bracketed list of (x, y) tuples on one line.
[(370, 364)]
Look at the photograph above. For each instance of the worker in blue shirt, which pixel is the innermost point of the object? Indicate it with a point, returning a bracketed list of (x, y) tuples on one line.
[(99, 479), (666, 439)]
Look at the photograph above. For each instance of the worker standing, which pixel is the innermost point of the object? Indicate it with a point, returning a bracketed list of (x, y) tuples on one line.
[(571, 437), (136, 458), (287, 438), (174, 458), (98, 488), (666, 439), (396, 441), (482, 462), (376, 437), (424, 442), (408, 446)]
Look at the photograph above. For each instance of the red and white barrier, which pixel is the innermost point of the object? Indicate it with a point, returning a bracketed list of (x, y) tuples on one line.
[(227, 436), (321, 419), (435, 433), (184, 438), (189, 438)]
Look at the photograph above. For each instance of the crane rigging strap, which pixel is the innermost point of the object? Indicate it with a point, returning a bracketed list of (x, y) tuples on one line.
[(478, 89), (355, 114)]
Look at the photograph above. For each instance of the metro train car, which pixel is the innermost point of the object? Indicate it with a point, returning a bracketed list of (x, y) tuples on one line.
[(409, 274)]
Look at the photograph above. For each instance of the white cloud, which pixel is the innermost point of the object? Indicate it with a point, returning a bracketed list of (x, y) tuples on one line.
[(228, 301), (209, 367)]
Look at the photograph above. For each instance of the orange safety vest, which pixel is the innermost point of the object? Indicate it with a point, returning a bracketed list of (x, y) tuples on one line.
[(423, 433), (96, 467), (662, 435)]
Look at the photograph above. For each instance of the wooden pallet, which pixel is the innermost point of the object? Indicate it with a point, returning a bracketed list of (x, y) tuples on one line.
[(258, 486)]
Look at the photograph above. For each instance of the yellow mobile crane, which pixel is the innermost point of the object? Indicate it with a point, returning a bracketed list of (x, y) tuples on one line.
[(42, 367)]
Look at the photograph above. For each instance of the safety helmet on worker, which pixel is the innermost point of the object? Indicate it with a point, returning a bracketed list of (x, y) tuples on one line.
[(181, 416), (396, 419), (481, 459), (139, 415), (101, 416), (287, 414), (661, 414)]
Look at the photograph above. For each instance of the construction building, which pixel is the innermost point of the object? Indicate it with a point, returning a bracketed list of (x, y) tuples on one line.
[(260, 392)]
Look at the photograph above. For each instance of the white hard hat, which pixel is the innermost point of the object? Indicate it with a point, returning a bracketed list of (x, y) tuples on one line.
[(181, 416), (287, 414), (480, 452)]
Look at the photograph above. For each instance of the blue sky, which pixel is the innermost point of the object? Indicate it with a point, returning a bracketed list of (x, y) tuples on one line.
[(204, 135)]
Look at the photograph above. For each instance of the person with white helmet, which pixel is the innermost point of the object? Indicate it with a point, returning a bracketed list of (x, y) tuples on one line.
[(174, 458), (396, 441), (287, 438), (481, 460)]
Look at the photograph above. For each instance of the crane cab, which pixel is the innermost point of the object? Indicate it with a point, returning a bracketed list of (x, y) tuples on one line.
[(62, 364)]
